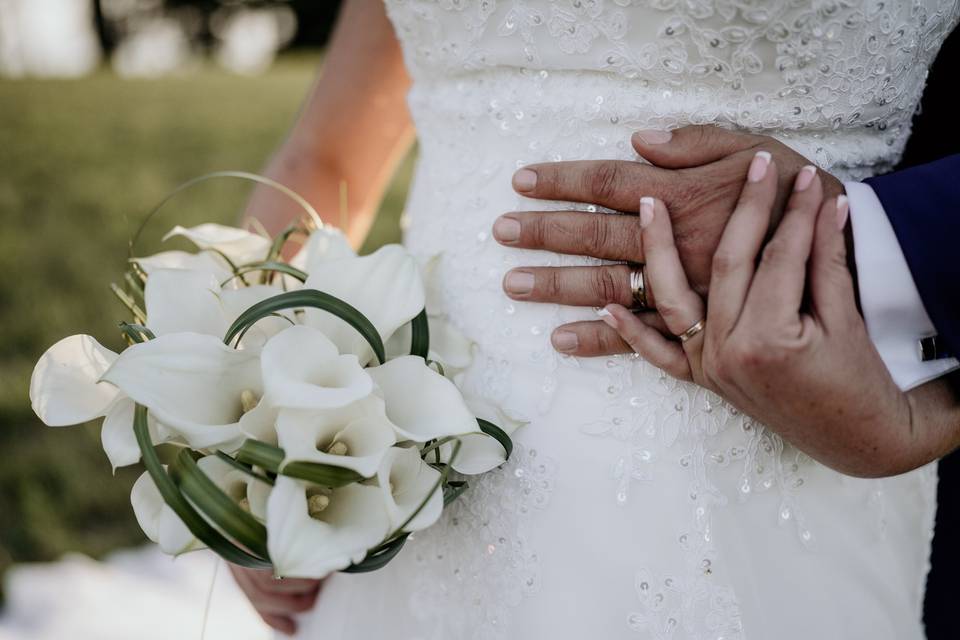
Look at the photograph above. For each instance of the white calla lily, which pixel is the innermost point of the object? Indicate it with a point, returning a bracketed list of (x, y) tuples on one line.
[(324, 245), (353, 437), (235, 301), (158, 521), (312, 532), (448, 346), (406, 483), (302, 369), (385, 286), (421, 403), (192, 383), (179, 300), (479, 452), (205, 261), (248, 492), (65, 387), (117, 437), (239, 245)]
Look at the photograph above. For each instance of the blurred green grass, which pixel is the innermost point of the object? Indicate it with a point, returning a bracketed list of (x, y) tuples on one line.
[(80, 164)]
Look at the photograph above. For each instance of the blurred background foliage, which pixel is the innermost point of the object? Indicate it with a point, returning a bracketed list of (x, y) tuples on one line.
[(81, 162)]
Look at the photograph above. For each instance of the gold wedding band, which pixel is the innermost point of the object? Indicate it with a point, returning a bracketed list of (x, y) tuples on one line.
[(692, 331), (637, 287)]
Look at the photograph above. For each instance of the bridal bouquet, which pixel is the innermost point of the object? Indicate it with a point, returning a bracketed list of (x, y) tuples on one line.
[(307, 405)]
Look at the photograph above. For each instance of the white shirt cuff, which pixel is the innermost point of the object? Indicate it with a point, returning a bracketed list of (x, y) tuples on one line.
[(892, 309)]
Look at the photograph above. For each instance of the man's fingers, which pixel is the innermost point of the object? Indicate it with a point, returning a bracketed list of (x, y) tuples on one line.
[(734, 260), (600, 235), (690, 146), (575, 286), (614, 184), (777, 290), (649, 343), (831, 285), (283, 624), (594, 338)]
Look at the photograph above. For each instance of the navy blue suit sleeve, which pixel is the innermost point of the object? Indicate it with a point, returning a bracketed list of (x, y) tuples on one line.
[(923, 205)]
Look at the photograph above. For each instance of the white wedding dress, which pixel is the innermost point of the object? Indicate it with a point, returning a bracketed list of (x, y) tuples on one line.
[(636, 506)]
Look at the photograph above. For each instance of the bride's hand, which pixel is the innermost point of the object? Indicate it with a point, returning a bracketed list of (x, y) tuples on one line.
[(781, 338), (277, 601)]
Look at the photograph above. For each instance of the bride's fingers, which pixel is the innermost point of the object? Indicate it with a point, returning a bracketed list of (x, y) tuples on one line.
[(649, 343), (595, 338), (734, 260)]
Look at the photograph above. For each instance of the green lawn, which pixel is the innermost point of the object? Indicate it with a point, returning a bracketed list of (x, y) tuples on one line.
[(80, 163)]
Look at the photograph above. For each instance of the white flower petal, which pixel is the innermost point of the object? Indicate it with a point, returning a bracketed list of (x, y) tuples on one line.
[(158, 521), (385, 286), (192, 383), (118, 439), (406, 481), (237, 484), (303, 370), (361, 429), (235, 301), (181, 300), (420, 402), (239, 245), (478, 453), (305, 547), (323, 246), (448, 346), (205, 261), (65, 387)]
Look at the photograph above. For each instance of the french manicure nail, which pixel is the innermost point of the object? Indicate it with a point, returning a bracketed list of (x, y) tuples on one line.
[(565, 341), (758, 166), (519, 282), (506, 229), (805, 178), (525, 180), (652, 136), (843, 210), (646, 211)]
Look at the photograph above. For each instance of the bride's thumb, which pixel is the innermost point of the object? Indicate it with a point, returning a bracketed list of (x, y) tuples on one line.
[(689, 146)]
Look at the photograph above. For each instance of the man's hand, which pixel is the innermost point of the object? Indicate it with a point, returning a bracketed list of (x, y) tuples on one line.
[(277, 601), (781, 337), (697, 171)]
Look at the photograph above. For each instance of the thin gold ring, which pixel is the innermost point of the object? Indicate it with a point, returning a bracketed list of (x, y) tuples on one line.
[(696, 328), (637, 287)]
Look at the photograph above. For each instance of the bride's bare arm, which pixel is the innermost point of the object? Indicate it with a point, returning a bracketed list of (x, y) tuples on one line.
[(353, 128)]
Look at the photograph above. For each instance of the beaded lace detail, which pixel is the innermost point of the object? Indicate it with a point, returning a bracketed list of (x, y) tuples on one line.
[(503, 83)]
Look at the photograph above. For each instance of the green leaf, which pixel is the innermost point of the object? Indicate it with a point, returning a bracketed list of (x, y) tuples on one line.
[(281, 267), (247, 469), (493, 430), (279, 240), (379, 557), (217, 505), (454, 490), (184, 510), (271, 458), (420, 343), (309, 298), (136, 332)]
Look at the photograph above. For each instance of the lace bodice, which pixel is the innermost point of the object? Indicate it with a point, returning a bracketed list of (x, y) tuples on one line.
[(669, 488)]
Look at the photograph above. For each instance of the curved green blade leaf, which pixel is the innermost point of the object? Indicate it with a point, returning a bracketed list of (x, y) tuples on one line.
[(454, 490), (176, 501), (281, 267), (239, 466), (420, 343), (136, 332), (317, 300), (379, 557), (271, 458), (493, 430), (217, 505)]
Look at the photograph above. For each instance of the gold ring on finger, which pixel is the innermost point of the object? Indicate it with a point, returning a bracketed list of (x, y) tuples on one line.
[(694, 329), (638, 287)]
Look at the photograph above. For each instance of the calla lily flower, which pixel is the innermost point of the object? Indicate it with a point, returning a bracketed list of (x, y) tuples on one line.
[(204, 261), (248, 492), (239, 245), (195, 385), (312, 531), (448, 346), (479, 452), (353, 437), (421, 403), (385, 286), (182, 300), (406, 481), (158, 521), (302, 369), (65, 387), (324, 245)]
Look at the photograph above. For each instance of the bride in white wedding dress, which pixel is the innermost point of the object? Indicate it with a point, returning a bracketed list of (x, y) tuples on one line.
[(636, 506)]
